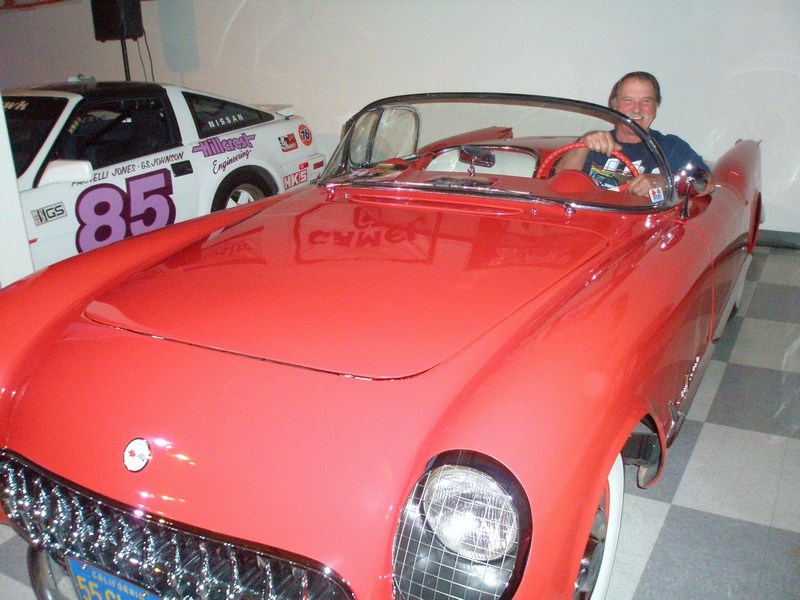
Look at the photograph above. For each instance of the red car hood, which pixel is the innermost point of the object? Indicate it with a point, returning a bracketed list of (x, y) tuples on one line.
[(363, 287)]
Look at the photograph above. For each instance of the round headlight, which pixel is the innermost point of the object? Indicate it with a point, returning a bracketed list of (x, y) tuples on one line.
[(464, 532), (470, 513)]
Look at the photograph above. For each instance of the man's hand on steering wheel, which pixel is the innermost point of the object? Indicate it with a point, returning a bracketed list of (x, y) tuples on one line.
[(582, 148), (642, 184), (601, 142)]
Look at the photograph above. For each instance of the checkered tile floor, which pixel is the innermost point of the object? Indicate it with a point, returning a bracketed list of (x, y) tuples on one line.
[(724, 520)]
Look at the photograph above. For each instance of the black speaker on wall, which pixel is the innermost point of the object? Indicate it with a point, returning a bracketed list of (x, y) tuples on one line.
[(117, 19)]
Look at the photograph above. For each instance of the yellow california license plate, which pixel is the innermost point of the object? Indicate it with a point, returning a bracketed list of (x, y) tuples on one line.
[(92, 583)]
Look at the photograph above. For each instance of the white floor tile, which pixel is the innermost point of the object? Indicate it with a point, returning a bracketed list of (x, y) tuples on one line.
[(6, 533), (782, 269), (641, 522), (734, 473), (768, 344), (787, 506), (13, 590)]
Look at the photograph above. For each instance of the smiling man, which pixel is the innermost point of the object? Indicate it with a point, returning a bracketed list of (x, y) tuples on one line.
[(638, 96)]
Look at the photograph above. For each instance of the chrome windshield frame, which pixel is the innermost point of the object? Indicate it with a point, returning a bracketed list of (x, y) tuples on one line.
[(333, 172)]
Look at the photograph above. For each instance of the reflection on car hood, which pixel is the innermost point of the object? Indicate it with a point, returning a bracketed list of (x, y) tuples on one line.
[(358, 287)]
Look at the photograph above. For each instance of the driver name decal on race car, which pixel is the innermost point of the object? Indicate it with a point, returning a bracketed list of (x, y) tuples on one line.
[(49, 213), (213, 146), (108, 214), (131, 168), (296, 178)]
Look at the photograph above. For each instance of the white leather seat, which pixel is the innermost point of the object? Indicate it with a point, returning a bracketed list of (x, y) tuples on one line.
[(507, 162)]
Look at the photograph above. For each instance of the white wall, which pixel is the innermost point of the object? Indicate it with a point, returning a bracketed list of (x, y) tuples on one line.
[(16, 257), (729, 69)]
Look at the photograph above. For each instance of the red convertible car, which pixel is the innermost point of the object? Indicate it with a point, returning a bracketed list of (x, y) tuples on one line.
[(418, 379)]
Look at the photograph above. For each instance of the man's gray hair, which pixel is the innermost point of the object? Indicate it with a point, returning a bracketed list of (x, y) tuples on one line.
[(644, 76)]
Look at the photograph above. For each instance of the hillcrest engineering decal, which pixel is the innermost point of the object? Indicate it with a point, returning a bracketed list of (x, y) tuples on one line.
[(213, 146), (241, 144)]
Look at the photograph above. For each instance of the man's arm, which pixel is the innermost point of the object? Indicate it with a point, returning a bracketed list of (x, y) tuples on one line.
[(601, 142)]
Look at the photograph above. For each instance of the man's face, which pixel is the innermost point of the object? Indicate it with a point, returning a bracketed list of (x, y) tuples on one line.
[(636, 98)]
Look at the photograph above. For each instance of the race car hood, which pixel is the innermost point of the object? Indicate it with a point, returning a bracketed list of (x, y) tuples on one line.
[(362, 286)]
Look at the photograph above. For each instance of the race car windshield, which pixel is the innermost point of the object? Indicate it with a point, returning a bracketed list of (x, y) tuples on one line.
[(510, 141), (29, 121)]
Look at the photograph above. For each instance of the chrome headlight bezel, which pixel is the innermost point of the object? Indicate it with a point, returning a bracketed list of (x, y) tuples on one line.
[(448, 542)]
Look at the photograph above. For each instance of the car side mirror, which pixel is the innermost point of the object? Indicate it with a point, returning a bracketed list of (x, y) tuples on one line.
[(66, 171), (692, 180)]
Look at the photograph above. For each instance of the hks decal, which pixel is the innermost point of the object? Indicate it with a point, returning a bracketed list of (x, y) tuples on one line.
[(295, 178)]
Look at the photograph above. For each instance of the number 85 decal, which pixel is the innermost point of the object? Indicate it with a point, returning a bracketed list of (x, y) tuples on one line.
[(108, 214)]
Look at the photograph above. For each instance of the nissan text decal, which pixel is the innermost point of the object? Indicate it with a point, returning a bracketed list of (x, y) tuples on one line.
[(213, 146)]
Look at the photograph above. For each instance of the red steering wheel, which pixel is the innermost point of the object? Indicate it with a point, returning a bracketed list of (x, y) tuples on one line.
[(547, 164)]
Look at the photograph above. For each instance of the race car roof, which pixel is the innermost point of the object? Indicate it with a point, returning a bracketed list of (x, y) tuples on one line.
[(102, 89)]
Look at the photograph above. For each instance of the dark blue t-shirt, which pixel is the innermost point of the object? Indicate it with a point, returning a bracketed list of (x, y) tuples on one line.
[(609, 172)]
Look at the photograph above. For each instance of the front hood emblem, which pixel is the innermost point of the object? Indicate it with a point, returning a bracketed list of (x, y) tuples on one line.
[(137, 454)]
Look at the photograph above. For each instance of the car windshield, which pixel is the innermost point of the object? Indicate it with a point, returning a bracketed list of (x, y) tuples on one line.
[(29, 120), (499, 145)]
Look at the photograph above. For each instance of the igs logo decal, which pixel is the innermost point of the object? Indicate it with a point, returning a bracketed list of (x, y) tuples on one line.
[(49, 213)]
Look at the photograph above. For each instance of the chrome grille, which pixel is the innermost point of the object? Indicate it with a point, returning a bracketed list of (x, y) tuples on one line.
[(166, 559)]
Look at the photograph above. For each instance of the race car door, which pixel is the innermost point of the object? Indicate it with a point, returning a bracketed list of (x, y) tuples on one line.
[(142, 180)]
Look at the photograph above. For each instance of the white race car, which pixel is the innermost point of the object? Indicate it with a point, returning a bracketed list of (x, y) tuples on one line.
[(100, 162)]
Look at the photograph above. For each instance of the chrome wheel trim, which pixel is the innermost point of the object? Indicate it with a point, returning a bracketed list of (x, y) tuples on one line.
[(601, 547)]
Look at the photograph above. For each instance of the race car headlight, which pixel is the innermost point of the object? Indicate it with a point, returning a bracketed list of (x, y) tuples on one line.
[(464, 532)]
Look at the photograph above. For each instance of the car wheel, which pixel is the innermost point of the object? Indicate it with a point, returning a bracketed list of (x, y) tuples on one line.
[(601, 547), (241, 187)]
